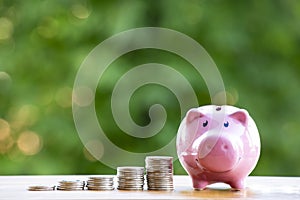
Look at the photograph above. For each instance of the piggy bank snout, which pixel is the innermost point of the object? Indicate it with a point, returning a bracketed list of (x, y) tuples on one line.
[(218, 154)]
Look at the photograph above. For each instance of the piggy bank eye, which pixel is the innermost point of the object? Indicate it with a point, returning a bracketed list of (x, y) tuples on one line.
[(205, 123), (226, 124)]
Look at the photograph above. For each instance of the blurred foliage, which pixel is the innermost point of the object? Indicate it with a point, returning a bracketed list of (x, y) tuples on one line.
[(255, 45)]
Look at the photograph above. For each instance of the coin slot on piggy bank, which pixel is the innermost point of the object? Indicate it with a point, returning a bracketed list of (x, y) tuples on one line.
[(218, 144)]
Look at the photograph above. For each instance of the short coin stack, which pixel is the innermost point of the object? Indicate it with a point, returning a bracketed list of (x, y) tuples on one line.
[(159, 173), (40, 188), (130, 178), (71, 185), (100, 183)]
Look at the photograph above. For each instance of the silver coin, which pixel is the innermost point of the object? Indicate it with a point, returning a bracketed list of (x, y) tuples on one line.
[(121, 180), (99, 181), (160, 185), (130, 169), (63, 186), (71, 182), (130, 178), (160, 168), (100, 189), (130, 175), (66, 188), (130, 184), (160, 189), (101, 177), (71, 185), (130, 188), (100, 185), (159, 173), (159, 158), (41, 188), (97, 184), (159, 179), (70, 189)]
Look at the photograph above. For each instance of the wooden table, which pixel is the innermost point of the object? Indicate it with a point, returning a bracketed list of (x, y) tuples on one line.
[(15, 187)]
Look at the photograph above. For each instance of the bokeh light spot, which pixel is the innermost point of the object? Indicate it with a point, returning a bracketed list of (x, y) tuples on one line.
[(83, 96), (80, 11), (48, 28), (4, 129), (231, 97), (46, 97), (4, 76), (6, 145), (6, 28), (6, 140), (63, 97), (5, 81), (29, 143), (96, 149), (88, 155), (25, 116)]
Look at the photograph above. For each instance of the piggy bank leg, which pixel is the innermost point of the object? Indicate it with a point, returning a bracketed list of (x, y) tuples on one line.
[(199, 184), (238, 185)]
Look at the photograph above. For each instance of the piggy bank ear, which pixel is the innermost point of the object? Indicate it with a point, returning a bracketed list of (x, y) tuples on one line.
[(193, 114), (241, 116)]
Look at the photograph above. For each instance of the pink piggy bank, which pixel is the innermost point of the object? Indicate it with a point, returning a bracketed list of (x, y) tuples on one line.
[(218, 144)]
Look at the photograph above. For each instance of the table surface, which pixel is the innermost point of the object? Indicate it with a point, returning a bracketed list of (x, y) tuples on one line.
[(15, 187)]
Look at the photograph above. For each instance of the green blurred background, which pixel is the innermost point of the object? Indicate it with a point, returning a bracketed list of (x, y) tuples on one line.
[(255, 45)]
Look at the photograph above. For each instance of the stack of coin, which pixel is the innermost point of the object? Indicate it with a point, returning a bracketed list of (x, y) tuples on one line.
[(40, 188), (71, 185), (100, 183), (159, 172), (130, 178)]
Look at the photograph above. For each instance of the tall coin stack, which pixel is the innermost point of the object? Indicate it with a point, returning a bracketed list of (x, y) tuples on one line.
[(100, 183), (71, 185), (159, 173), (130, 178)]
